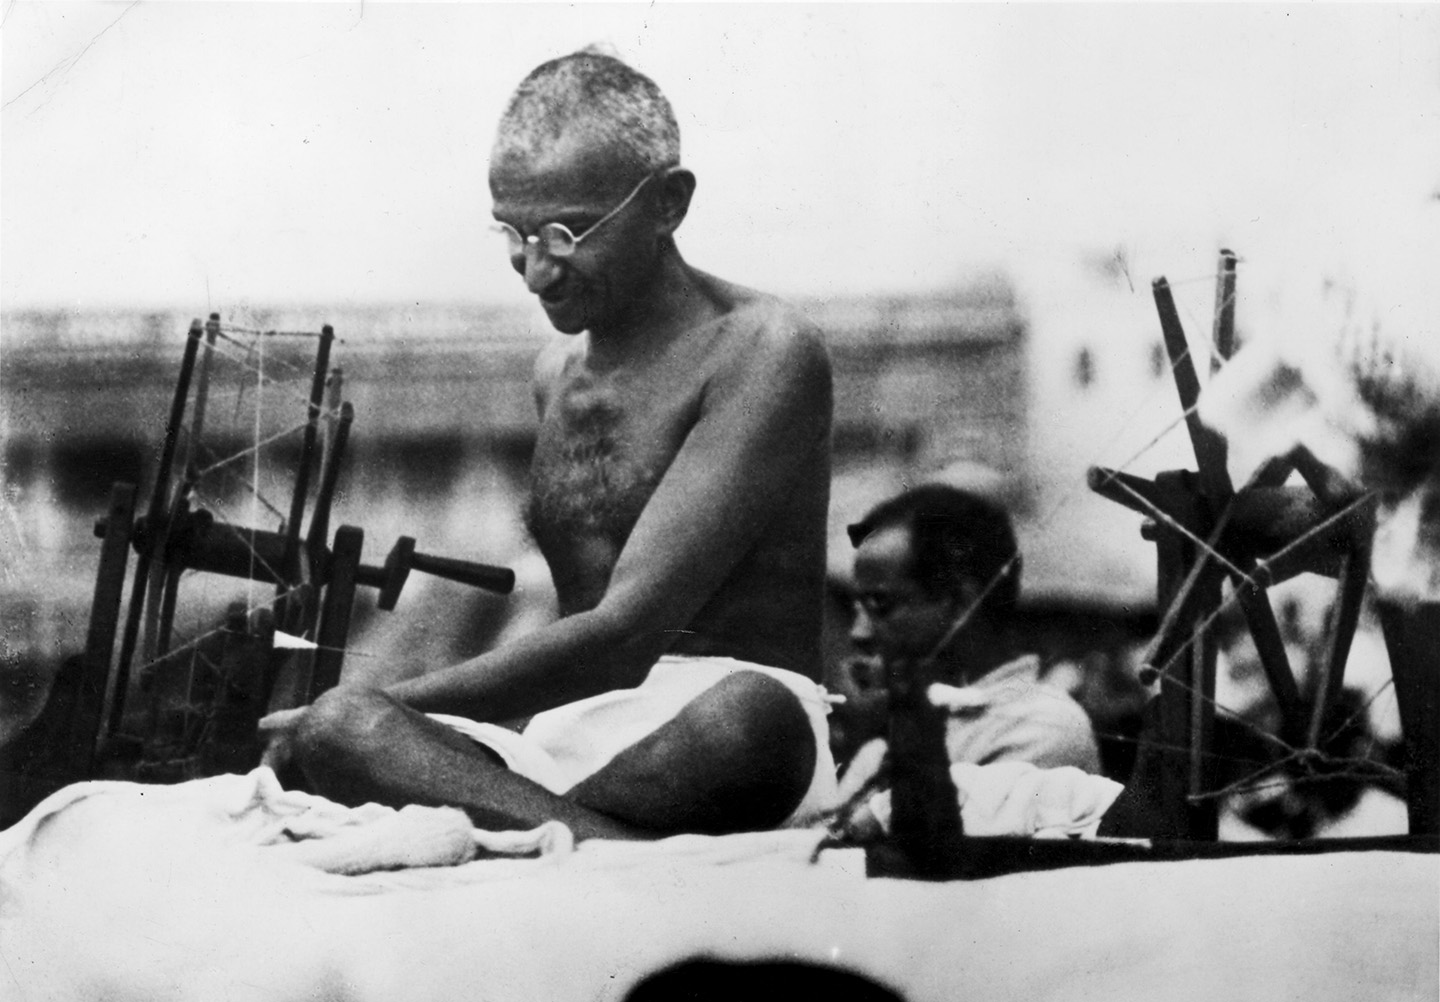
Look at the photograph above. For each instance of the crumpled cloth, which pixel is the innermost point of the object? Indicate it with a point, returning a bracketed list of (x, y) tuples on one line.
[(1019, 798), (253, 811), (292, 826)]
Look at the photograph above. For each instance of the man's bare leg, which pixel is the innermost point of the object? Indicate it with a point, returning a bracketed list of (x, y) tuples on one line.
[(738, 758), (360, 745)]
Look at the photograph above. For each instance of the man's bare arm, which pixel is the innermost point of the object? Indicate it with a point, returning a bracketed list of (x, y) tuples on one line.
[(763, 413)]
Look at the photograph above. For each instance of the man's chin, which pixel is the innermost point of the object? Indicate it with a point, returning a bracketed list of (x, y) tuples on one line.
[(566, 321)]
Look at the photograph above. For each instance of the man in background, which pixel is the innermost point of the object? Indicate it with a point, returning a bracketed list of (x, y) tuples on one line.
[(937, 576)]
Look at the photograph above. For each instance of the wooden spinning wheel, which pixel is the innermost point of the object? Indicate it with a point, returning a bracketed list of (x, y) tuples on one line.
[(315, 577), (1209, 534)]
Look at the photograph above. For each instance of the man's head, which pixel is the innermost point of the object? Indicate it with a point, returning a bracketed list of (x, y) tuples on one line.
[(592, 145), (923, 560)]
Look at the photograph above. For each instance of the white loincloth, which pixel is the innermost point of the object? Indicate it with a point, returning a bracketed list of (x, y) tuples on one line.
[(561, 747)]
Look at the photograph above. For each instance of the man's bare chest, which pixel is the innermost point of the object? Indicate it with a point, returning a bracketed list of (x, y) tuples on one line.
[(602, 449)]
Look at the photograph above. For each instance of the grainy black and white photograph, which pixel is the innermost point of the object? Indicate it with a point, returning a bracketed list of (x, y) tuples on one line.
[(699, 501)]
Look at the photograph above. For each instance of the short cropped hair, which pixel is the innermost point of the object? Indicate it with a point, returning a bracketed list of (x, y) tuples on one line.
[(598, 94), (954, 536)]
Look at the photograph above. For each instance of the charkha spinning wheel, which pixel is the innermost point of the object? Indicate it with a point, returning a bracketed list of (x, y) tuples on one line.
[(283, 650), (1210, 536)]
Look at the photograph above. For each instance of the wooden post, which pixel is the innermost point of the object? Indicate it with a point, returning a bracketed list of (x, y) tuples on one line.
[(334, 629), (924, 804), (1412, 637), (97, 692), (1183, 721), (155, 514), (290, 570)]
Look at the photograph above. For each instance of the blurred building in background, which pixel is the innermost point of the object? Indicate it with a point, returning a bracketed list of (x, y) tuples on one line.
[(1008, 390)]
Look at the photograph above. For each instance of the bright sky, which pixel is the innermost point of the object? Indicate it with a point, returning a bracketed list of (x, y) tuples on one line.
[(165, 154)]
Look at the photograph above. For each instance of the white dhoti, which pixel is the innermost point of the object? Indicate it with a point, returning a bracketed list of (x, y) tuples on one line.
[(561, 747)]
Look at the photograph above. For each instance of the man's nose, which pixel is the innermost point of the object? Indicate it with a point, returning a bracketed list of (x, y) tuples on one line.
[(862, 631), (539, 269)]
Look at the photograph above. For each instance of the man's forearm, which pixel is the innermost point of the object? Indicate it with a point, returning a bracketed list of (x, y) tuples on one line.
[(564, 662)]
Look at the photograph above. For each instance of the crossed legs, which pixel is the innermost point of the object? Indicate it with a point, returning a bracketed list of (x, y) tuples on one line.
[(739, 757)]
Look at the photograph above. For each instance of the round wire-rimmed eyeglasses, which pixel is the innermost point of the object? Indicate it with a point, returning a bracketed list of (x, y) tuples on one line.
[(556, 239)]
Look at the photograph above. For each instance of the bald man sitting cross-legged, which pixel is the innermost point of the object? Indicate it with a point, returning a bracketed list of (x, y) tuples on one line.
[(680, 483)]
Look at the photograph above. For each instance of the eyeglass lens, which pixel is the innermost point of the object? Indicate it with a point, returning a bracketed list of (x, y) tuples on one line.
[(554, 239)]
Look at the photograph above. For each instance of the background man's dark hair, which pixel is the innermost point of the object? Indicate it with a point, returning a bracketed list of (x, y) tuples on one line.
[(954, 536)]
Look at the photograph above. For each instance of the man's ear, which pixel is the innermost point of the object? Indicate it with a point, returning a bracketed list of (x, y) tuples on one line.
[(677, 187)]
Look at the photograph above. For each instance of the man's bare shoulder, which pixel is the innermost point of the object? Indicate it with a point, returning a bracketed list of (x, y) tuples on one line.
[(754, 335), (764, 330)]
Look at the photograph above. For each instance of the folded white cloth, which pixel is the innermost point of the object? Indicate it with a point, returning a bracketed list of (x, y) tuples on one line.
[(1018, 798)]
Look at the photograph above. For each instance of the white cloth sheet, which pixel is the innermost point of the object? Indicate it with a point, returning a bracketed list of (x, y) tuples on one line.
[(192, 892)]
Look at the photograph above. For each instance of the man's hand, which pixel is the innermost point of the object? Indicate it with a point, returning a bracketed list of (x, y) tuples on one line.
[(907, 680), (278, 729)]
